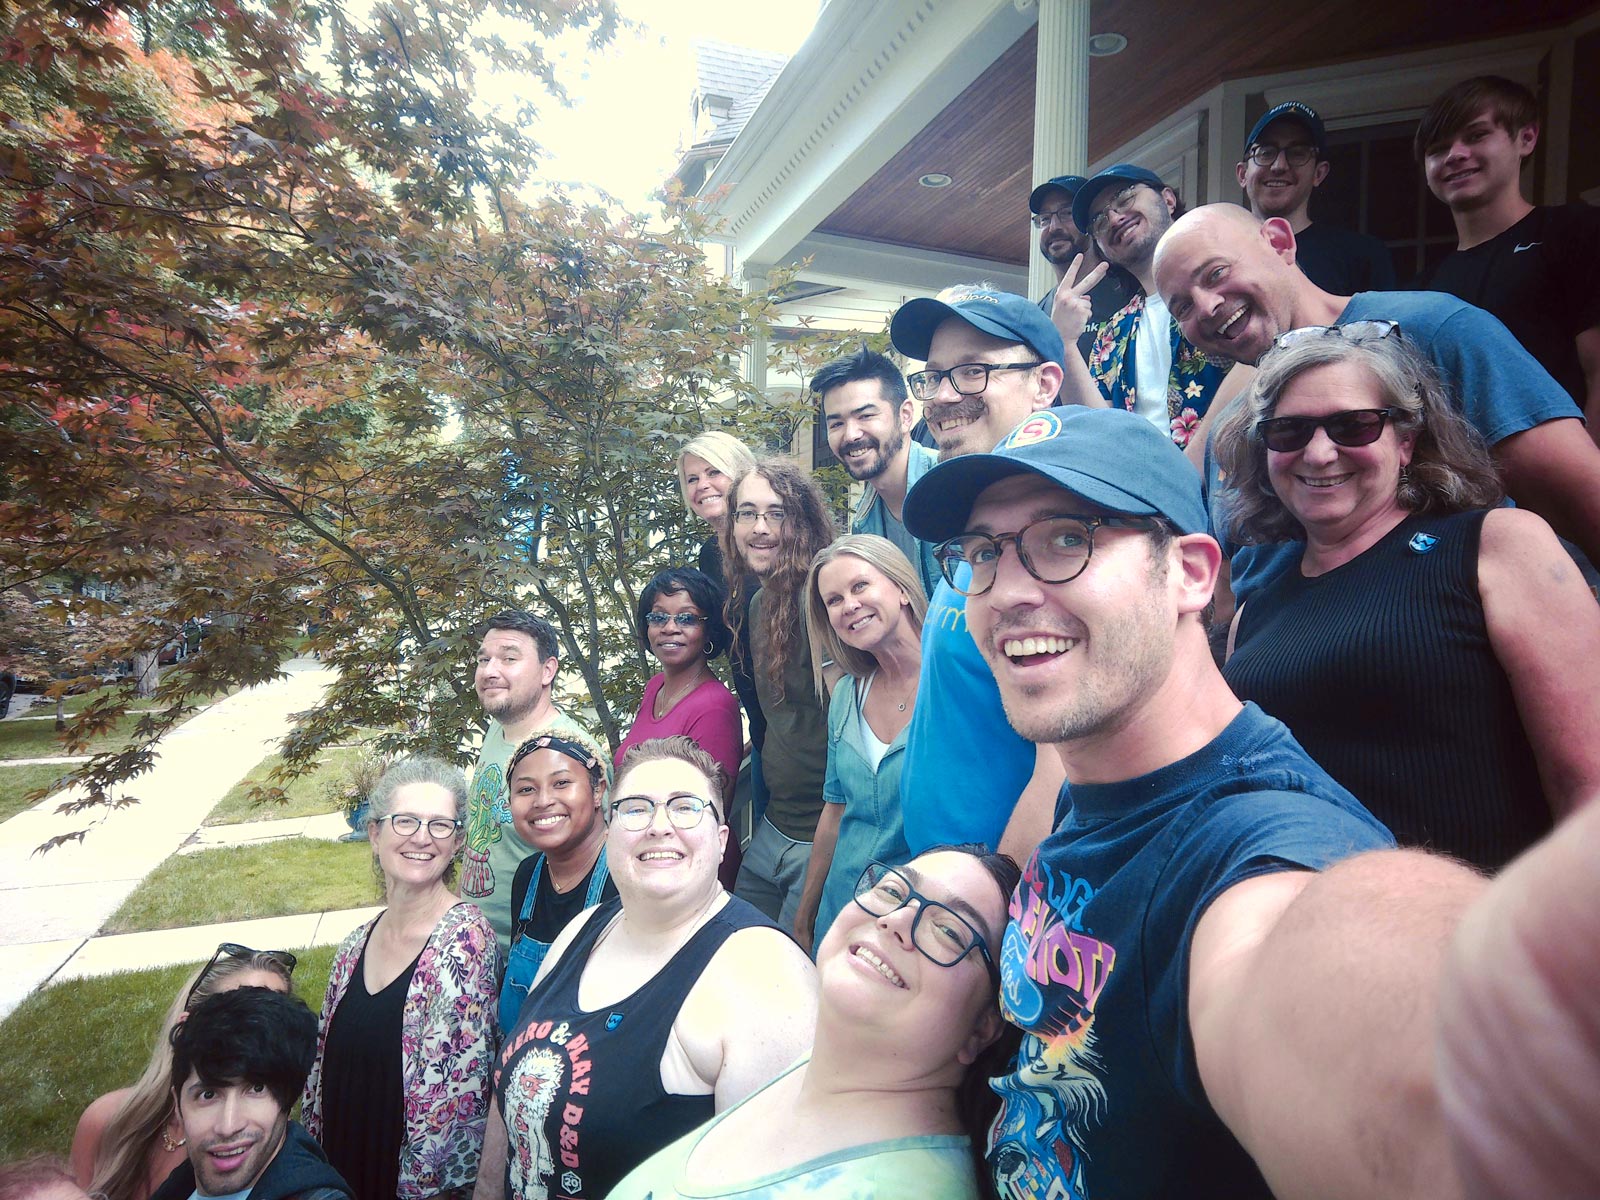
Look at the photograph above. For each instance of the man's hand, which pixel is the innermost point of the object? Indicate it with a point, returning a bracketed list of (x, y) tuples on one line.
[(1072, 308)]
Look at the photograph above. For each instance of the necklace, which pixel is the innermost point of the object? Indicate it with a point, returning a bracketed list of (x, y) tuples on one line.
[(661, 709)]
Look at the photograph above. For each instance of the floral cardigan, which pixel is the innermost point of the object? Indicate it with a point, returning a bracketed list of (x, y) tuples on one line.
[(1190, 388), (447, 1045)]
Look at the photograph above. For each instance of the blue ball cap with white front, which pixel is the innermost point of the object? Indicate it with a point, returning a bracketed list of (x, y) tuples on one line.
[(1003, 315), (1118, 462)]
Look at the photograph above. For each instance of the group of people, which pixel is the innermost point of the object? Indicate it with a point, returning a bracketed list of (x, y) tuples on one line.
[(1205, 606)]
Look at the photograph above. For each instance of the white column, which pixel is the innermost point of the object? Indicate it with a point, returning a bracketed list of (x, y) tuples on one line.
[(754, 279), (1060, 108)]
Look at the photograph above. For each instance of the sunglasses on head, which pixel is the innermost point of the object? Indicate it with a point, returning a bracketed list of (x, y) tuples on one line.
[(1359, 427), (238, 953)]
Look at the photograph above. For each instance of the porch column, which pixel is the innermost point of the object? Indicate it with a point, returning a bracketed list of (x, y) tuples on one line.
[(1060, 108), (755, 279)]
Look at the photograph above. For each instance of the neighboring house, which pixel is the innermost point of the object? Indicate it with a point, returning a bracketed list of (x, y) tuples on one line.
[(896, 149)]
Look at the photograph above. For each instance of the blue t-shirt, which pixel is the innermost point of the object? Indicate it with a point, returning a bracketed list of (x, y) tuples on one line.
[(1105, 1098), (964, 766), (1496, 384)]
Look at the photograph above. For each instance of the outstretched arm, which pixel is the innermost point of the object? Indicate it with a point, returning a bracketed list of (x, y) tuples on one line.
[(1312, 1002)]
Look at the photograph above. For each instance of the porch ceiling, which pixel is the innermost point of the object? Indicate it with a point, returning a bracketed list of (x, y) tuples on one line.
[(984, 137)]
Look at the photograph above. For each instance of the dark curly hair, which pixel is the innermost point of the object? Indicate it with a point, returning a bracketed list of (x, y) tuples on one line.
[(706, 593), (248, 1035), (807, 528)]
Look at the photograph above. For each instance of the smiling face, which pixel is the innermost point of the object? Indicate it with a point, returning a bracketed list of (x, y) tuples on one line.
[(1230, 283), (864, 606), (873, 977), (1281, 189), (758, 540), (1072, 659), (1334, 491), (1129, 235), (673, 644), (232, 1133), (866, 430), (662, 865), (511, 678), (554, 806), (1478, 163), (417, 859), (1061, 239), (973, 424), (705, 488)]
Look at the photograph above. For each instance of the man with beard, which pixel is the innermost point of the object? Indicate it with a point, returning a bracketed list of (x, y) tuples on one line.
[(1232, 285), (868, 414), (1140, 361), (993, 361), (517, 662), (239, 1062), (1061, 241), (1285, 160)]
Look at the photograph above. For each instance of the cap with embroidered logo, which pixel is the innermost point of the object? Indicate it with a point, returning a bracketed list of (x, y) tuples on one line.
[(1298, 112), (998, 314)]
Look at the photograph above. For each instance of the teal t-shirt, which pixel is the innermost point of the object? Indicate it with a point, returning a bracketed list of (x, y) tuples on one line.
[(929, 1167), (494, 851)]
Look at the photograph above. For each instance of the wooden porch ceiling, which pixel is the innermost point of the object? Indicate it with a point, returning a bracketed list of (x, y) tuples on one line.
[(983, 138)]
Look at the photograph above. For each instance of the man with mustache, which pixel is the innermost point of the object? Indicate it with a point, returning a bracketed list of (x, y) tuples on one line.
[(239, 1062), (1233, 287), (868, 415)]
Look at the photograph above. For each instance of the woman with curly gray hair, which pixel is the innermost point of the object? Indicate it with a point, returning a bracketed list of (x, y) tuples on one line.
[(399, 1093), (1433, 650)]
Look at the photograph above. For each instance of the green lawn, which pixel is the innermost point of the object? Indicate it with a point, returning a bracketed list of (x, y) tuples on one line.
[(308, 796), (236, 883), (38, 739), (17, 782), (75, 1041)]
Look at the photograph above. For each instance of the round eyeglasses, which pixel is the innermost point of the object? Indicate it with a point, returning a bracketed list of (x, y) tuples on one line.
[(968, 379), (1357, 427), (1297, 155), (1052, 550), (636, 813), (939, 932), (439, 828)]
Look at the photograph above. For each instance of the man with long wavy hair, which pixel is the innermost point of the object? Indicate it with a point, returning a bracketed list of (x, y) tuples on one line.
[(779, 520)]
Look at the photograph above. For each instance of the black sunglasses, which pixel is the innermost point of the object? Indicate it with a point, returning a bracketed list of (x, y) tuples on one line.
[(238, 953), (1359, 427)]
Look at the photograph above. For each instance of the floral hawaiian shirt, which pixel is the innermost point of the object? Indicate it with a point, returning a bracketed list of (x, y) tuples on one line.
[(447, 1049), (1190, 388)]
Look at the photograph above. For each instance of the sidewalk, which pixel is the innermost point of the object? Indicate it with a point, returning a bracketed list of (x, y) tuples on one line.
[(52, 904)]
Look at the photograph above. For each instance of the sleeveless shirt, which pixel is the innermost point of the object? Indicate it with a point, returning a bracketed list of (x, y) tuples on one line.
[(580, 1091), (1383, 670)]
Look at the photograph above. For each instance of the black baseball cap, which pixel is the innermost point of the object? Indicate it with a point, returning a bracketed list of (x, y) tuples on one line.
[(1117, 176), (1061, 183), (1294, 110)]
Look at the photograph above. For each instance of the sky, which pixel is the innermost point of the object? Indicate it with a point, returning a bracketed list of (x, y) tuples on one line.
[(631, 100)]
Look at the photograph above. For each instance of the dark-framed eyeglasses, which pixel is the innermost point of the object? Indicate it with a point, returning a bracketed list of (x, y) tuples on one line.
[(748, 516), (1120, 203), (939, 932), (1353, 331), (1356, 427), (1052, 550), (1264, 155), (968, 379), (635, 813), (439, 828), (239, 953), (1056, 216), (683, 620)]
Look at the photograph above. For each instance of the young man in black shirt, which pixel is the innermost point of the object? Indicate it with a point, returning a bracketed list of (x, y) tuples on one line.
[(1536, 267)]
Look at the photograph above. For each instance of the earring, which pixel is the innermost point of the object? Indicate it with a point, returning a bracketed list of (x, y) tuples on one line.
[(168, 1144), (709, 650)]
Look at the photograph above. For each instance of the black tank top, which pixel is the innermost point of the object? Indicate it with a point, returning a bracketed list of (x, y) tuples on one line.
[(581, 1091), (1382, 669)]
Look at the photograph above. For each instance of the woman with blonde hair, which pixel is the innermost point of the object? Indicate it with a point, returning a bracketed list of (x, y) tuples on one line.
[(128, 1141), (864, 613)]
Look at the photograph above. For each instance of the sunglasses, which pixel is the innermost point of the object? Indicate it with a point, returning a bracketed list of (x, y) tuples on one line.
[(238, 953), (1359, 427)]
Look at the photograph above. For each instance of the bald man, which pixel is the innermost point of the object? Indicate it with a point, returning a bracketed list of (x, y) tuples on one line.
[(1231, 283)]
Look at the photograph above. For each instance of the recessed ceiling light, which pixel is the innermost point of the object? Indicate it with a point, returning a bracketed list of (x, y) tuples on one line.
[(1104, 45), (936, 179)]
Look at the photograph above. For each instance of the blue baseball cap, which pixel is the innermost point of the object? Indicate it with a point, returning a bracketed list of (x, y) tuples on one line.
[(1297, 111), (999, 314), (1110, 457), (1061, 183), (1118, 176)]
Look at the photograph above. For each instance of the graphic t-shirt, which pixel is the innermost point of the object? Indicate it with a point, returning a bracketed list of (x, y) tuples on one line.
[(493, 851), (1104, 1098)]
